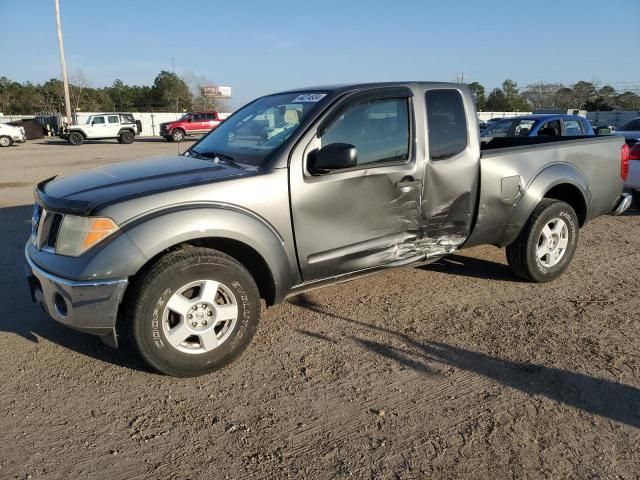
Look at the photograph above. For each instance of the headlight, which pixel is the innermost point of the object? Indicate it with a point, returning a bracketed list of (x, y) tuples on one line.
[(79, 234)]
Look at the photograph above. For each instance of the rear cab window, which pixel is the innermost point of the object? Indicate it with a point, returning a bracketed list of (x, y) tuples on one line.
[(113, 119), (573, 128), (446, 123)]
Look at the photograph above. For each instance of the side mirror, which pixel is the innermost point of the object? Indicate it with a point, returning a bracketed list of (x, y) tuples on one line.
[(335, 156), (189, 120), (92, 123)]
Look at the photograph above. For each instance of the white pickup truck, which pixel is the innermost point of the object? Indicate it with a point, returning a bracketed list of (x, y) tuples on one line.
[(121, 126), (10, 135)]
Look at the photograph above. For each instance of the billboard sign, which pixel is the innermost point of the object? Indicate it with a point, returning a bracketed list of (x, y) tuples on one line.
[(215, 91)]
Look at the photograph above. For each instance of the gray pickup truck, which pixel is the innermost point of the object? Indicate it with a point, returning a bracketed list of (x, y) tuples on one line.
[(298, 190)]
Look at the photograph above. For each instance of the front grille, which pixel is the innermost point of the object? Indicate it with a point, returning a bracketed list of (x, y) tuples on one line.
[(54, 228), (46, 228)]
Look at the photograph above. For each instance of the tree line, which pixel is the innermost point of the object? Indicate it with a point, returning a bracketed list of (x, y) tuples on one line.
[(169, 92), (174, 93), (553, 96)]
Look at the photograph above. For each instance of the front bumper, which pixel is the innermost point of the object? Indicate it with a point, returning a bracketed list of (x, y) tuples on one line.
[(88, 306), (19, 139)]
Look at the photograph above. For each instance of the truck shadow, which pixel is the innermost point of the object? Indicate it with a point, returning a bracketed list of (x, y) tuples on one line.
[(612, 400), (472, 267), (22, 317)]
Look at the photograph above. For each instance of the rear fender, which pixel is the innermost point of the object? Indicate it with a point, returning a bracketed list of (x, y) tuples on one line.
[(535, 191), (131, 129)]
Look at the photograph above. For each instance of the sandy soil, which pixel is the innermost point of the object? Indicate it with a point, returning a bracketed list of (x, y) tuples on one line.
[(454, 370)]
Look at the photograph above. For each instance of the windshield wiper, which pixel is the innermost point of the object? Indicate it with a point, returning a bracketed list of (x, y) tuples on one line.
[(217, 157)]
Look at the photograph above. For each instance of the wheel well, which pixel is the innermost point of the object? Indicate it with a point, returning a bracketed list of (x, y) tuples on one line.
[(239, 251), (573, 196), (178, 128), (122, 130), (78, 131)]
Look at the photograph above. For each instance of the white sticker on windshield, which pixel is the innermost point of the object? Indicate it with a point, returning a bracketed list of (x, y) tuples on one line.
[(309, 98)]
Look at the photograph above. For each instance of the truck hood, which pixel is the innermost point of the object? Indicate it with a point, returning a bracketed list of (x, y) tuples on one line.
[(82, 192)]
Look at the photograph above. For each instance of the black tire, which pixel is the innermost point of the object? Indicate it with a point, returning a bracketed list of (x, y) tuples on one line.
[(168, 138), (127, 137), (521, 254), (75, 138), (165, 279), (6, 141), (177, 135), (636, 197)]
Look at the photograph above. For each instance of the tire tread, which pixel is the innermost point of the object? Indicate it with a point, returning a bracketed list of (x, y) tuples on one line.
[(517, 251), (145, 282)]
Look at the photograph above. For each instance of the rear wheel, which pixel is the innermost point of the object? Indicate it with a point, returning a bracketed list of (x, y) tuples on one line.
[(127, 137), (195, 311), (546, 244), (76, 138), (5, 141), (177, 135)]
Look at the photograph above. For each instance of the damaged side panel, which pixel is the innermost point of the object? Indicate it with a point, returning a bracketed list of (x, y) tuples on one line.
[(385, 215)]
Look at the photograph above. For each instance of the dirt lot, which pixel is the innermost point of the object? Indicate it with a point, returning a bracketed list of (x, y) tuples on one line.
[(454, 370)]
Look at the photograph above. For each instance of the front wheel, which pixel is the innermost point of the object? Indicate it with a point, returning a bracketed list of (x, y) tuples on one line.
[(5, 141), (76, 138), (194, 311), (546, 244)]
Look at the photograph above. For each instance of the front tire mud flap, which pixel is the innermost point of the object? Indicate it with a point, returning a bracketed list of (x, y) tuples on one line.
[(110, 339)]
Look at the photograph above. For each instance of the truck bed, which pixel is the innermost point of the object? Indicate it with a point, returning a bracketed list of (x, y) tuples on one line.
[(509, 142), (512, 170)]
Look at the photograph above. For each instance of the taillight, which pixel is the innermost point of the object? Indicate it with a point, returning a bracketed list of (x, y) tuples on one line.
[(624, 162), (634, 153)]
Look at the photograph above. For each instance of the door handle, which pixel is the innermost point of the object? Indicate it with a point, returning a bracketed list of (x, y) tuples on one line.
[(407, 184)]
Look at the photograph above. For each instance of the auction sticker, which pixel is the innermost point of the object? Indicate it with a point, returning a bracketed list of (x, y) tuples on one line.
[(309, 98)]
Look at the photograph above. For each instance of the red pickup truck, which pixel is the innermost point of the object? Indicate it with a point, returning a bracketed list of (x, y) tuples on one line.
[(192, 123)]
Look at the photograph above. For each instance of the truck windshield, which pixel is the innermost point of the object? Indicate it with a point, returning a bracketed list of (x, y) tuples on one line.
[(510, 127), (253, 133)]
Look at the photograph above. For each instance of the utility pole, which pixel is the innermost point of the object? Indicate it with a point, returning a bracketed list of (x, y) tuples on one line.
[(63, 65), (460, 77)]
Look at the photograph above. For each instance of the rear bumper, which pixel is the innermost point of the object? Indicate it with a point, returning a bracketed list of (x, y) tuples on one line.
[(623, 203), (88, 306)]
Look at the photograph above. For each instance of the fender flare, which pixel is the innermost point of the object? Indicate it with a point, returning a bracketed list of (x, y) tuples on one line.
[(79, 130), (155, 232), (126, 129), (551, 176), (173, 129)]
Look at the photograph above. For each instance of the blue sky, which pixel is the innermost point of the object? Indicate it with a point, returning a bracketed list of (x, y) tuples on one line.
[(258, 47)]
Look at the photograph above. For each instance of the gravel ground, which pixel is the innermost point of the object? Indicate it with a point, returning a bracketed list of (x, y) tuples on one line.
[(453, 370)]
